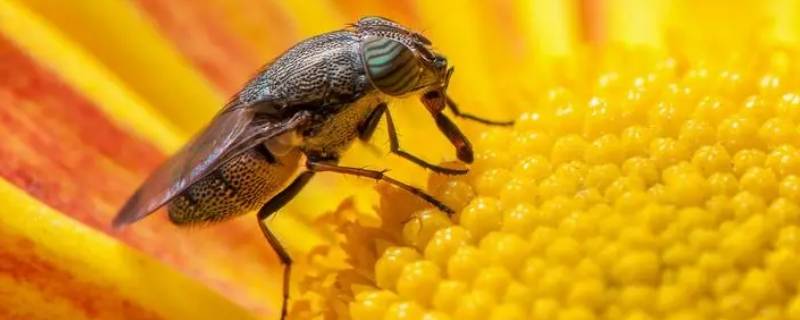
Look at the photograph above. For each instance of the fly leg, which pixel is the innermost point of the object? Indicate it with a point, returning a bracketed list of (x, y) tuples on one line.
[(395, 147), (367, 128), (268, 209), (316, 166), (454, 108)]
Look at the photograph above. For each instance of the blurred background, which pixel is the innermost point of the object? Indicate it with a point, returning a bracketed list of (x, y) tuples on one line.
[(94, 94)]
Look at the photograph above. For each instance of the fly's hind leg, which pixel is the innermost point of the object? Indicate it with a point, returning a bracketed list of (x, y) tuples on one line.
[(268, 209)]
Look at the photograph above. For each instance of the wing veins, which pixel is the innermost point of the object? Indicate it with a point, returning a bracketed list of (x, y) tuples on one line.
[(233, 131)]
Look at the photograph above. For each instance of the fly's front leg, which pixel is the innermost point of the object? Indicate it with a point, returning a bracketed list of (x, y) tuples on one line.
[(395, 146), (456, 111), (277, 202), (319, 166), (367, 128)]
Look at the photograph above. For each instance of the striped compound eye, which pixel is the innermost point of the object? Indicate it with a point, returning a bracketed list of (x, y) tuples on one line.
[(392, 67)]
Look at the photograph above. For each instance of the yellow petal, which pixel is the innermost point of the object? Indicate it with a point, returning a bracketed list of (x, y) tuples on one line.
[(126, 42), (85, 274)]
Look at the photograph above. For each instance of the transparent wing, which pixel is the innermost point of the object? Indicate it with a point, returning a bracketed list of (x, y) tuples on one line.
[(231, 132)]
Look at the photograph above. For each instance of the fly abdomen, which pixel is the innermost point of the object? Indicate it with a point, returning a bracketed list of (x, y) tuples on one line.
[(239, 186)]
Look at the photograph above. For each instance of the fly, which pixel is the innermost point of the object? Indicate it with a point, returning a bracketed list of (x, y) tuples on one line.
[(308, 105)]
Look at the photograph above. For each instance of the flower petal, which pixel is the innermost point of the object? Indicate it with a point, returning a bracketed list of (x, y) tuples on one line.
[(53, 267)]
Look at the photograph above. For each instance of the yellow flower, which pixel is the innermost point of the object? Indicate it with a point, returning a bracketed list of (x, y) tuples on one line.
[(653, 171)]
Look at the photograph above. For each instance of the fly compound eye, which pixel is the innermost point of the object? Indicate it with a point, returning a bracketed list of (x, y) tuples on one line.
[(391, 66)]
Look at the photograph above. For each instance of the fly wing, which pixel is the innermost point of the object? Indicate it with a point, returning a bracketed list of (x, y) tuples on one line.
[(232, 131)]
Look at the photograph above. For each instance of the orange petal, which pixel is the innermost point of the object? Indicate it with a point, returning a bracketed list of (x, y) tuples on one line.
[(53, 267)]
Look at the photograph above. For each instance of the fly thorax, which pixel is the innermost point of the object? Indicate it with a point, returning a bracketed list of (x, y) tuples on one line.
[(337, 131), (284, 143)]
